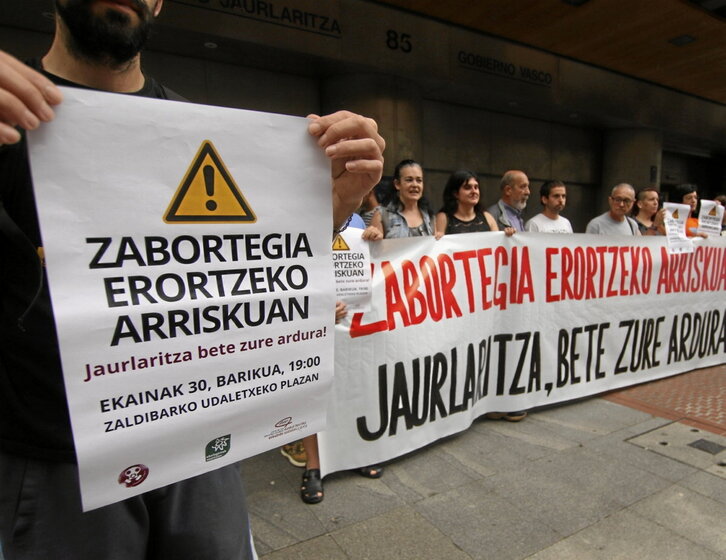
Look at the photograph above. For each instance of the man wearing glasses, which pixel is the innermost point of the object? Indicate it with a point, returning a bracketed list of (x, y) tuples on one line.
[(616, 221)]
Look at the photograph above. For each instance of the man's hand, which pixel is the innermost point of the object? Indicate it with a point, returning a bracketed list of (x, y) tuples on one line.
[(26, 97), (356, 149)]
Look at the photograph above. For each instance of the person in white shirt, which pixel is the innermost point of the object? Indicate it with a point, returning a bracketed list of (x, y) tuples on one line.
[(553, 196)]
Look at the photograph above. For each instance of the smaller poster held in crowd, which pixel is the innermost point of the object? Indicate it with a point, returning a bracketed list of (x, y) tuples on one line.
[(710, 217), (193, 302), (352, 264), (675, 225)]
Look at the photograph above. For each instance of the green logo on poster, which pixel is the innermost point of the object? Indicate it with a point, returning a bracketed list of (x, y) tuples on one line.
[(218, 447)]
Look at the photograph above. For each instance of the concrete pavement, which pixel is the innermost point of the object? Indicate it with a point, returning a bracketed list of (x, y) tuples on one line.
[(592, 479)]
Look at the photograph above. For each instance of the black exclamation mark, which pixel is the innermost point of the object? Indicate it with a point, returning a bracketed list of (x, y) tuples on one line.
[(209, 185)]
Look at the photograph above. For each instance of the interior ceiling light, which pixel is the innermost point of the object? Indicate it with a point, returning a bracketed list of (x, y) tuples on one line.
[(210, 45), (681, 40)]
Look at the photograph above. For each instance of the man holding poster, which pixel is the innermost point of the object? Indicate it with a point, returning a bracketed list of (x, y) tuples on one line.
[(96, 46)]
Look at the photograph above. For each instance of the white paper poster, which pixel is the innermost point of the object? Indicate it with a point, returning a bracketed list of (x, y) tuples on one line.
[(192, 289), (710, 217), (675, 226), (352, 264)]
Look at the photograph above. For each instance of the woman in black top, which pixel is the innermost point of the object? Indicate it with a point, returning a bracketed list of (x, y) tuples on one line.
[(462, 211)]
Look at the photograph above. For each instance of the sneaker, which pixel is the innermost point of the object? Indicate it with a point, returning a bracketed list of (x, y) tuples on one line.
[(508, 416), (295, 453)]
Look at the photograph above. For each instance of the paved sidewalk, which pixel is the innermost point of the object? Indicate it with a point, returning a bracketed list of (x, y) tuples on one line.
[(697, 398), (594, 479)]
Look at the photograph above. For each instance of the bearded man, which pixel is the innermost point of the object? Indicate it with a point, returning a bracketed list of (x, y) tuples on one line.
[(97, 45), (514, 188)]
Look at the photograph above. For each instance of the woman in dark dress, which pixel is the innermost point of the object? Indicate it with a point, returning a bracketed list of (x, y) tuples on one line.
[(462, 211)]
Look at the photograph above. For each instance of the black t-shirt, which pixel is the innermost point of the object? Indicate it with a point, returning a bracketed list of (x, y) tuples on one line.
[(478, 223), (34, 420)]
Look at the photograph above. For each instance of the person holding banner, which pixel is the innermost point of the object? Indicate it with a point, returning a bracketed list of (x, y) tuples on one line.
[(311, 488), (407, 215), (507, 211), (553, 197), (616, 221), (646, 213), (462, 211), (97, 45), (688, 194)]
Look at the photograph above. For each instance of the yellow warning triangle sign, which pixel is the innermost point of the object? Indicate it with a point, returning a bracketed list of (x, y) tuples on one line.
[(208, 193), (339, 244)]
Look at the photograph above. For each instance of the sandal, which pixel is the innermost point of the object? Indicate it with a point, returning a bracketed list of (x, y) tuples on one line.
[(371, 471), (311, 490)]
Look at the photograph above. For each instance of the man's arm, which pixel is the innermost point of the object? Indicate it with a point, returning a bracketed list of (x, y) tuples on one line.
[(356, 149), (26, 97)]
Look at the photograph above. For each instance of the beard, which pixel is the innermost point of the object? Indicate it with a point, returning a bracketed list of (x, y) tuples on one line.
[(107, 38), (520, 205)]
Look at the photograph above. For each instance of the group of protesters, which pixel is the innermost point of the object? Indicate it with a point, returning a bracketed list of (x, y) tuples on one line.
[(399, 209), (97, 46)]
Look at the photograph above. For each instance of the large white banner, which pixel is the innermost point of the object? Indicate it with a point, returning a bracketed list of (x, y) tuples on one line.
[(476, 323), (189, 258)]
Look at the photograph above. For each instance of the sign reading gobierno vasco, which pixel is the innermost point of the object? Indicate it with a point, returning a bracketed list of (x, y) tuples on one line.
[(194, 306)]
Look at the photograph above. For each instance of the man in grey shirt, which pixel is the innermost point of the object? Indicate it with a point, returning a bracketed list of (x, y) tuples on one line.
[(616, 221)]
